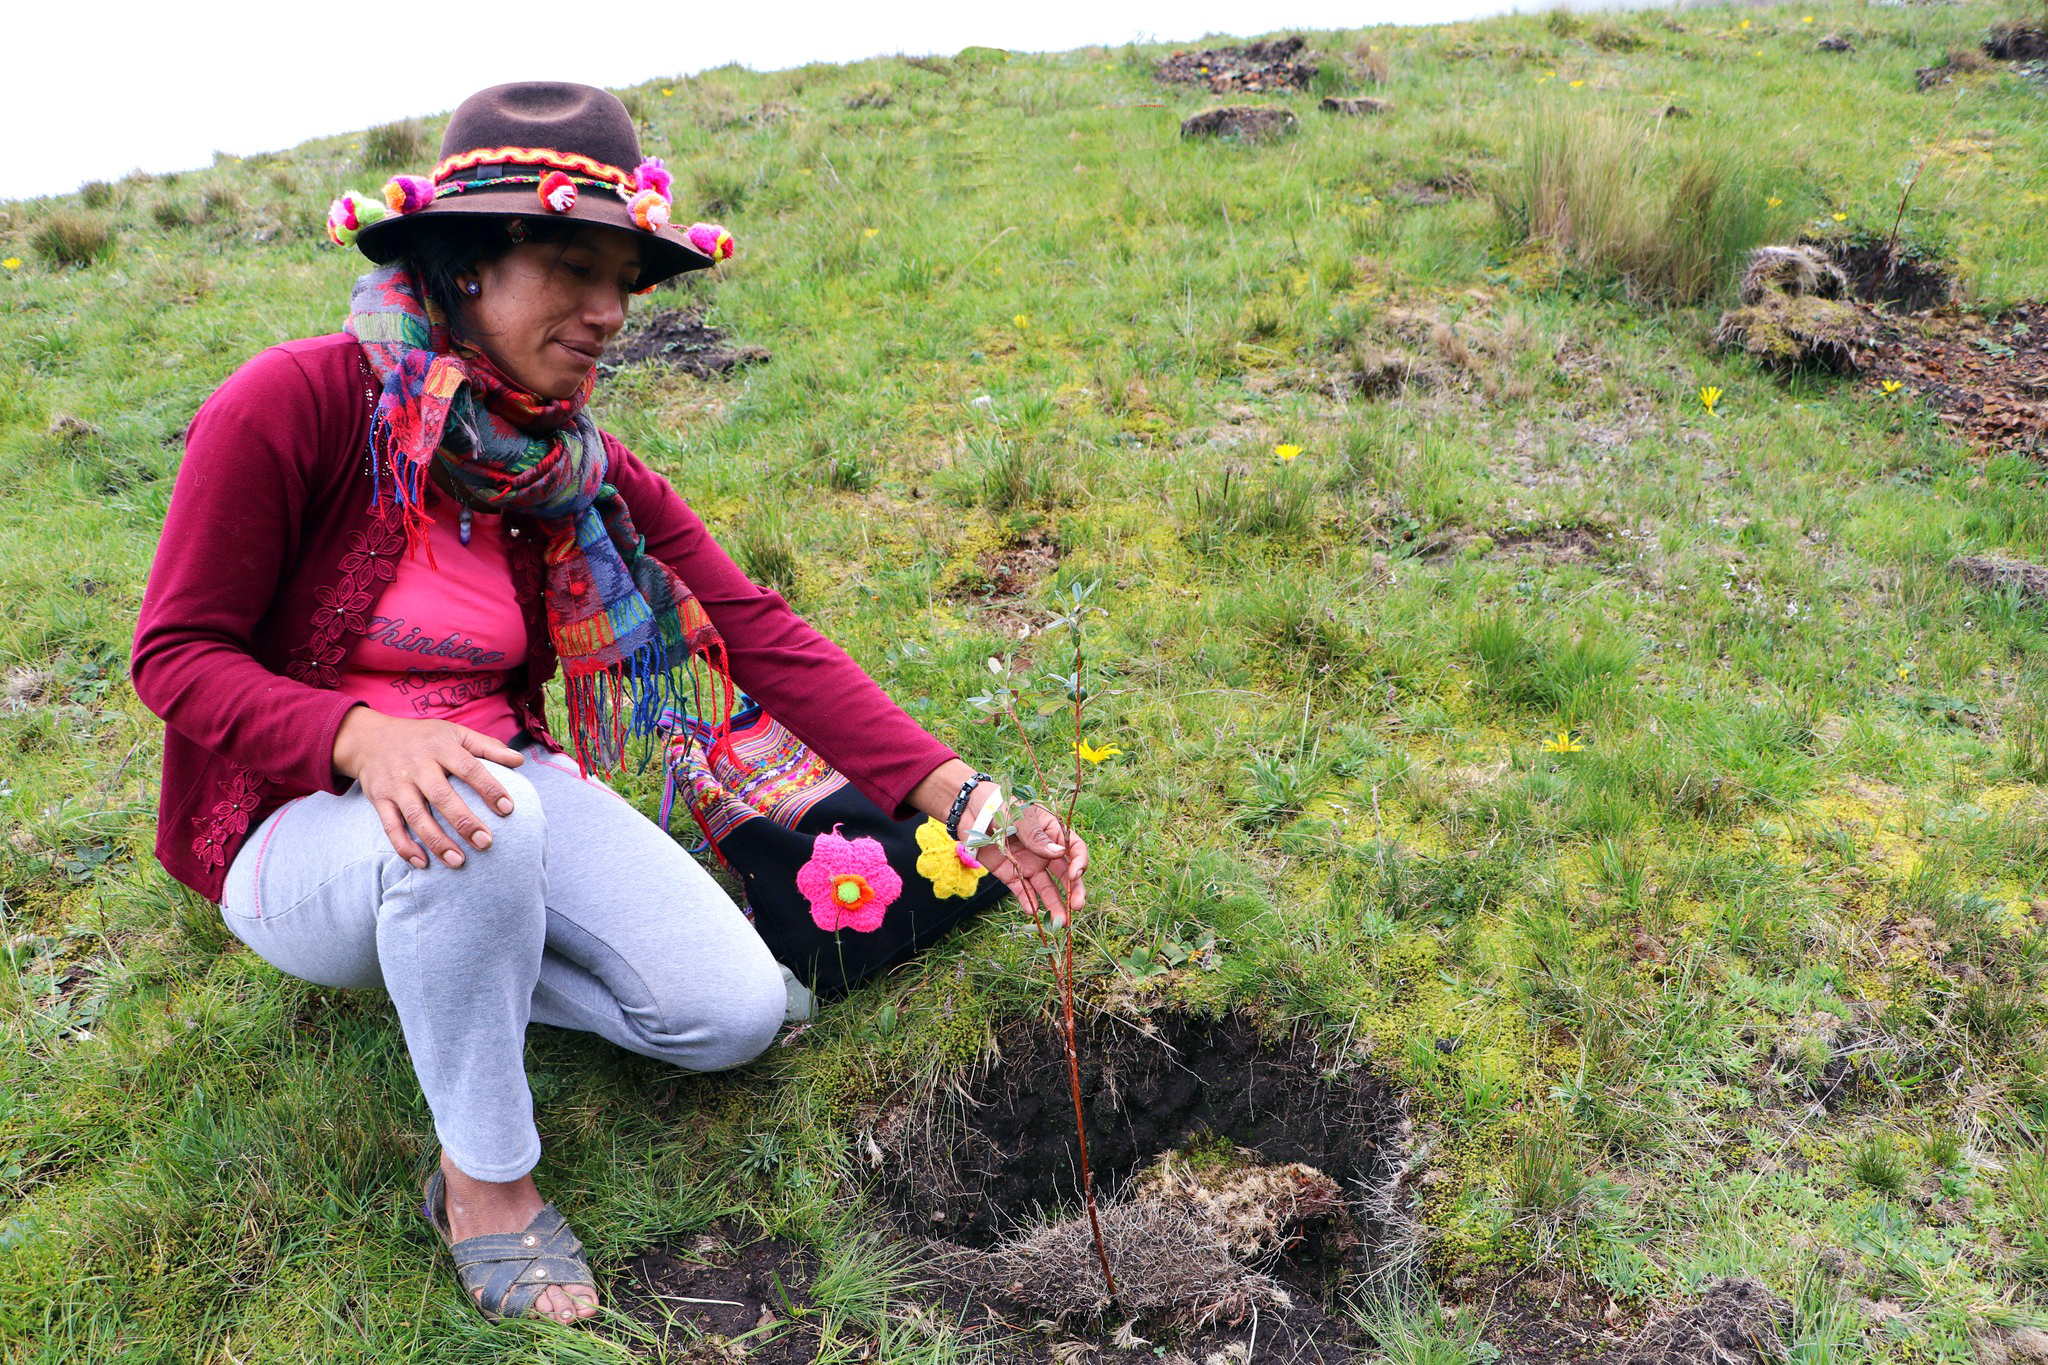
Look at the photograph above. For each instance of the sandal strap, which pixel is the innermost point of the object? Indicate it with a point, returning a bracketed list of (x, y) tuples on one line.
[(512, 1268)]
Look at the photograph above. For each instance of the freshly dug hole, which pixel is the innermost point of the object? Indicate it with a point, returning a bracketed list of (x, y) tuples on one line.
[(1315, 1150)]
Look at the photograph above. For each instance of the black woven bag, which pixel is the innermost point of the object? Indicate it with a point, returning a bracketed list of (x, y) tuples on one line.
[(837, 888)]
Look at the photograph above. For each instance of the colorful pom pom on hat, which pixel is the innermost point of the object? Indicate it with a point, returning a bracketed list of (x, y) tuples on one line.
[(711, 239), (408, 193), (350, 213), (557, 192)]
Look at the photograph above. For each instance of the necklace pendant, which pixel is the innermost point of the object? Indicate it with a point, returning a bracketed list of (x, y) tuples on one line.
[(462, 527)]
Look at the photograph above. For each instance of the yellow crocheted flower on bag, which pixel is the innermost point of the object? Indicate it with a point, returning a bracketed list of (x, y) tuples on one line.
[(949, 867)]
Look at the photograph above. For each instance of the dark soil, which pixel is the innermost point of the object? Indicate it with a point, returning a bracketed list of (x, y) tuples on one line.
[(1232, 70), (680, 339), (2020, 42), (1556, 545), (987, 1158), (1247, 122), (1016, 570), (1736, 1322), (1997, 575), (1535, 1321), (1880, 273), (1987, 377), (724, 1297)]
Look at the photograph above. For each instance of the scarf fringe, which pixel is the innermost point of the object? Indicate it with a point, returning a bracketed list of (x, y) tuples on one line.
[(610, 708)]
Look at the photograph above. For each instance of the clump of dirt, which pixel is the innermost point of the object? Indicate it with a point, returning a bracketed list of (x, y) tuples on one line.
[(1798, 270), (1231, 70), (25, 687), (1960, 61), (1534, 1318), (718, 1299), (680, 339), (1994, 574), (1987, 377), (1003, 583), (1884, 272), (1375, 372), (1736, 1322), (1835, 42), (1792, 315), (2024, 41), (1246, 122), (1787, 332), (1185, 1246), (1314, 1187), (1358, 107)]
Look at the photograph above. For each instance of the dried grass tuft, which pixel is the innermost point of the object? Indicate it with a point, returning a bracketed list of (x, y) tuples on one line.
[(1794, 271), (67, 238), (1186, 1246)]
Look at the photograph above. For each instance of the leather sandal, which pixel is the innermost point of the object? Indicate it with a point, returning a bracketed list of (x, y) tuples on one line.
[(512, 1269)]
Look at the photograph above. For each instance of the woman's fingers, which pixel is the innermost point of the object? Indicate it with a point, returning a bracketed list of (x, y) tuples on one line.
[(395, 831), (420, 820), (457, 813)]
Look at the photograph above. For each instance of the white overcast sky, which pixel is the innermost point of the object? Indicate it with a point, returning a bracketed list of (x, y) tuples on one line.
[(165, 84)]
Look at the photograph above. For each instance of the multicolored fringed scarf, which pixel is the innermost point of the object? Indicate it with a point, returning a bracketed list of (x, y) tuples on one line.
[(627, 629)]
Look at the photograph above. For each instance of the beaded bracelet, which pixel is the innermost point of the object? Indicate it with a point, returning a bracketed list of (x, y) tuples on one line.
[(960, 804)]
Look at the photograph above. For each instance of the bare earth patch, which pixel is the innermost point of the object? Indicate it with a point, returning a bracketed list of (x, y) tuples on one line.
[(1987, 377), (1227, 70), (680, 339)]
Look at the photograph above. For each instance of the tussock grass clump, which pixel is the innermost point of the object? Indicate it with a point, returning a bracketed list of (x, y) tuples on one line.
[(96, 194), (68, 238), (1793, 316), (1668, 218), (395, 144)]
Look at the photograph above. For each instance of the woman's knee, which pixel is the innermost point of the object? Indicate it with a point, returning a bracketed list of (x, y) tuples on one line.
[(716, 1021), (519, 838)]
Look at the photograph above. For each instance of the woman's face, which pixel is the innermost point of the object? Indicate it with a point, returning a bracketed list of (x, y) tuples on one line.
[(543, 312)]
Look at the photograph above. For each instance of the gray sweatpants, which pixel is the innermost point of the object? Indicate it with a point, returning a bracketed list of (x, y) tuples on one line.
[(582, 913)]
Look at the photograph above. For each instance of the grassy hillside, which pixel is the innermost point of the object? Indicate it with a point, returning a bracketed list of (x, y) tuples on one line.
[(1739, 974)]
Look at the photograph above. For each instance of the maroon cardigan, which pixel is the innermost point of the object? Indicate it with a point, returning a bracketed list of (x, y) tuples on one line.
[(271, 562)]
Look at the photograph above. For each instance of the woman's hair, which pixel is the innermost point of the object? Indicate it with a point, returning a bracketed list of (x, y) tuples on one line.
[(446, 247)]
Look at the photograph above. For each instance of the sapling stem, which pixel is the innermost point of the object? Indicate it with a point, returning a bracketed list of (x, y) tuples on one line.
[(1060, 955)]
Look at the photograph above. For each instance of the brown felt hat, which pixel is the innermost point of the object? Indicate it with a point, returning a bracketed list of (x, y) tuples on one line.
[(543, 150)]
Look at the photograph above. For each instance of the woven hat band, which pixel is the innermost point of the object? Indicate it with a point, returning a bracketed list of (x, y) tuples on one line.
[(503, 161)]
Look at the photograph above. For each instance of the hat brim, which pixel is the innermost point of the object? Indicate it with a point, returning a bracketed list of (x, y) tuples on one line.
[(667, 253)]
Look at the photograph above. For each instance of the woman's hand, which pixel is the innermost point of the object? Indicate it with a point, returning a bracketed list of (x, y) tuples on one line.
[(1042, 849), (404, 767)]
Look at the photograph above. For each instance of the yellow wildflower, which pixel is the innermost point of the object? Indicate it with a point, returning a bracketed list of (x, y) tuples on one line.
[(1905, 672), (1708, 397), (12, 262), (1577, 84), (869, 232), (1565, 743), (1841, 217), (948, 865), (668, 90), (1094, 755), (1807, 20), (1891, 386), (1286, 452), (1774, 202), (1021, 320), (1745, 23)]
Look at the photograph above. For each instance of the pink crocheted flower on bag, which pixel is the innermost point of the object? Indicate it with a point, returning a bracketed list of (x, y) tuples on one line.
[(848, 882)]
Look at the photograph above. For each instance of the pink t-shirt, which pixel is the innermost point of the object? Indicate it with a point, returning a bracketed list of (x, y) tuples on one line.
[(447, 633)]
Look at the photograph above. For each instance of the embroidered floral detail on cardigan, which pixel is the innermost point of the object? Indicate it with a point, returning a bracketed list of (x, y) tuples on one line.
[(239, 796), (372, 558)]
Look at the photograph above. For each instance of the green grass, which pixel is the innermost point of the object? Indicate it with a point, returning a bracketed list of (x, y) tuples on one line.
[(1748, 984)]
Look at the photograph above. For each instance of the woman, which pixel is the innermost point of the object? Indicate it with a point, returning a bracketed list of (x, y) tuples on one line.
[(380, 546)]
